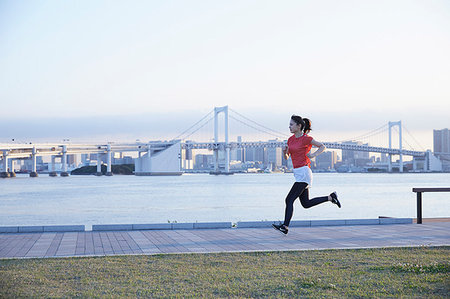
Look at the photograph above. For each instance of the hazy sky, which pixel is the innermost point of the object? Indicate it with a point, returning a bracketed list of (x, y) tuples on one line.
[(75, 69)]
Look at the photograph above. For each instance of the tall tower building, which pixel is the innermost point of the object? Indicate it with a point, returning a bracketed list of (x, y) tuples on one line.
[(441, 147), (326, 160), (274, 156), (441, 141)]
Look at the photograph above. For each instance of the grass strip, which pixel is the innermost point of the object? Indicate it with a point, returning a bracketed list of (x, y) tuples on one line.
[(384, 272)]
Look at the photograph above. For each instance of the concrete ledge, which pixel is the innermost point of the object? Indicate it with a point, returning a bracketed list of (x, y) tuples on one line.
[(182, 225), (362, 221), (9, 229), (200, 225), (31, 229), (64, 228), (158, 173), (300, 223), (110, 227), (327, 222), (396, 220), (209, 225), (152, 226), (254, 224)]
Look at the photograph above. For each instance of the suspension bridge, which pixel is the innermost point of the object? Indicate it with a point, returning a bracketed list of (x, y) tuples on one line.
[(168, 157)]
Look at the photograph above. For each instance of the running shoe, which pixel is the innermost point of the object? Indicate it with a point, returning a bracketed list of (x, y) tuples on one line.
[(281, 228), (334, 199)]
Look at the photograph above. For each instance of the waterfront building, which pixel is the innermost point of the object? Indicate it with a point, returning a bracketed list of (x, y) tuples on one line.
[(441, 147), (203, 162), (355, 158), (326, 160), (274, 156), (85, 159), (249, 154), (441, 141), (261, 155), (72, 160), (239, 152)]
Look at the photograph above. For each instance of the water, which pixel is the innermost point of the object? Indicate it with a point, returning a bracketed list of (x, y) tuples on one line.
[(201, 197)]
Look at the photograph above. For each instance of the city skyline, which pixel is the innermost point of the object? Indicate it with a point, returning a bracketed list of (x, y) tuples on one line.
[(148, 70)]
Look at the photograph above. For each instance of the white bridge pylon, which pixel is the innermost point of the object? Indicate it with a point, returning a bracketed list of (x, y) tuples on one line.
[(218, 110), (393, 124)]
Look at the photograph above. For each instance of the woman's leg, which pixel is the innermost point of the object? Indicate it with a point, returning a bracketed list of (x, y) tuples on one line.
[(296, 190), (308, 203)]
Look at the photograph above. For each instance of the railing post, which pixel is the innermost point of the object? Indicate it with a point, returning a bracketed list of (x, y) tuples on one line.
[(419, 207)]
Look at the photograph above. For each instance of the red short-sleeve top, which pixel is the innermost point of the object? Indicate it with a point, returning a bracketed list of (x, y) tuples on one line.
[(298, 148)]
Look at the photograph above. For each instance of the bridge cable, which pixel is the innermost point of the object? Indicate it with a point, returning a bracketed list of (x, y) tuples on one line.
[(366, 135), (248, 119), (255, 128), (211, 118), (414, 139), (194, 125)]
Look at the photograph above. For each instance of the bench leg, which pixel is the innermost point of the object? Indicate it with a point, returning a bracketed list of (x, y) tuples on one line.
[(419, 207)]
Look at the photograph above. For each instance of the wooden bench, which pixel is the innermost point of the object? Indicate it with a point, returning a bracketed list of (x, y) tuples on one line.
[(419, 192)]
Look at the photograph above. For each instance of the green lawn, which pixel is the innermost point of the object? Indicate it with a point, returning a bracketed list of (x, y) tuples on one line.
[(410, 272)]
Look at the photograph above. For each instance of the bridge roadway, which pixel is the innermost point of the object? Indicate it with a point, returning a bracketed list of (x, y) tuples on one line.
[(274, 144), (17, 151)]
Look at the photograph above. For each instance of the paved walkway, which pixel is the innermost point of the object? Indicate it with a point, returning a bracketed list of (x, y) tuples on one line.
[(29, 245)]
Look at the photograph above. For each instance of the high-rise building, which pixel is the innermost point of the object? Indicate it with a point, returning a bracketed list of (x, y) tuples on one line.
[(239, 151), (261, 155), (441, 147), (250, 154), (356, 158), (441, 141), (72, 160), (326, 160), (274, 156), (203, 161)]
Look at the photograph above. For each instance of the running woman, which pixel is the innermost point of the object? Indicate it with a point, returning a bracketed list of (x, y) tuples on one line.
[(298, 147)]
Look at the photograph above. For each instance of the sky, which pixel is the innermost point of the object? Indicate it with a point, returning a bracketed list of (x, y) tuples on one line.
[(122, 70)]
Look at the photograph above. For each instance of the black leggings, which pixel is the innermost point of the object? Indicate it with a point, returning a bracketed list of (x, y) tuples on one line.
[(299, 190)]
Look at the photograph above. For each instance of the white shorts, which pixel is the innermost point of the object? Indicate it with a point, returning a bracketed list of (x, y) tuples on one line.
[(303, 175)]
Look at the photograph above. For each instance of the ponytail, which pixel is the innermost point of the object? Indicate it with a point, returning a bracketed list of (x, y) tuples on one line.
[(307, 127)]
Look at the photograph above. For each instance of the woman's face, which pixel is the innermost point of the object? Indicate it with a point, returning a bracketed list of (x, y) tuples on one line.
[(293, 127)]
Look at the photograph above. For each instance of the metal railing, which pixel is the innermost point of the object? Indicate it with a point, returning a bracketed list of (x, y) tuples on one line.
[(419, 192)]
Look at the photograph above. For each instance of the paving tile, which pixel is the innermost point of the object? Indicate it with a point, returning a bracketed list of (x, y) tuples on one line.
[(221, 240), (53, 248), (114, 243), (98, 247), (106, 244)]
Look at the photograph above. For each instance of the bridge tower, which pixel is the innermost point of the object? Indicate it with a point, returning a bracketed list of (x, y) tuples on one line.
[(393, 124), (218, 110)]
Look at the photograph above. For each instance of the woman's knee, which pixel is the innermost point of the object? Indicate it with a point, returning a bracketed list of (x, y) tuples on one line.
[(289, 201), (305, 205)]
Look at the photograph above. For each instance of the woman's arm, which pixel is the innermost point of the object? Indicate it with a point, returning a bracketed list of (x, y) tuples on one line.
[(286, 152), (320, 149)]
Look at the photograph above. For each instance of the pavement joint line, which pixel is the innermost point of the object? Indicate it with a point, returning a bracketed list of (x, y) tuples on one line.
[(219, 240)]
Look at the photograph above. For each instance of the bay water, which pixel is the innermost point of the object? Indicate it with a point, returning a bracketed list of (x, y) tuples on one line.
[(207, 198)]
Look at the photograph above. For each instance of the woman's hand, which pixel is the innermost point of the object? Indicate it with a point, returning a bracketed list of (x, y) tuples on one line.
[(320, 149), (285, 152)]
